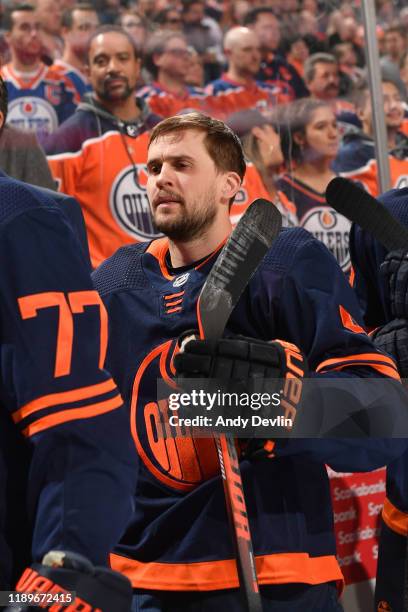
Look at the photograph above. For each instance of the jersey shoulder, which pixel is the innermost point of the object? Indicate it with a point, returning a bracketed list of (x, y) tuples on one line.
[(18, 197), (121, 271), (287, 247)]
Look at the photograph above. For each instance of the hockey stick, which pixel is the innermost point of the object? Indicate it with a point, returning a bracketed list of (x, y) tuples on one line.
[(234, 267), (359, 206)]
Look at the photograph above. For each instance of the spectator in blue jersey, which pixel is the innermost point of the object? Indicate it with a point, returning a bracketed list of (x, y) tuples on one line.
[(20, 154), (275, 69), (40, 98), (177, 550), (78, 24), (310, 142), (381, 281), (66, 479)]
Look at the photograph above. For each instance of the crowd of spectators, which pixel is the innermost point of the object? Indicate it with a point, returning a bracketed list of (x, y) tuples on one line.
[(289, 76)]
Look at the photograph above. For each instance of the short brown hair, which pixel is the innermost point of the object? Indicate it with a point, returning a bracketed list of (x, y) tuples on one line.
[(222, 144)]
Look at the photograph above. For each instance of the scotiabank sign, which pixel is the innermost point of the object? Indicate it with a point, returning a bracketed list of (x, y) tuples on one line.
[(357, 504)]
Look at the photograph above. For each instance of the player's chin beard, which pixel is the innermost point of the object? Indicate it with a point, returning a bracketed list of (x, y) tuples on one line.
[(187, 226)]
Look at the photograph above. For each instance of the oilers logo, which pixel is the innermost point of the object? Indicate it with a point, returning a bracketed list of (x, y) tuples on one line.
[(129, 203), (177, 461), (32, 114), (332, 229)]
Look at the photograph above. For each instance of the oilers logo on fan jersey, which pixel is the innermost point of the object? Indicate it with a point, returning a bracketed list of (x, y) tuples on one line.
[(41, 103), (129, 203), (314, 215), (32, 114), (332, 229)]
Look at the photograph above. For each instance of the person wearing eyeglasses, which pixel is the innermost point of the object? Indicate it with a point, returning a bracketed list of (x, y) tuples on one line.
[(168, 60)]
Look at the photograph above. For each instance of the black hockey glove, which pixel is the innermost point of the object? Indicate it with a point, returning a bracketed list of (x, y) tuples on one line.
[(395, 269), (392, 338), (48, 584), (245, 365)]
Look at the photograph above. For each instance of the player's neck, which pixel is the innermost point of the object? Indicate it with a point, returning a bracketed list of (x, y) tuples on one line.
[(25, 63), (185, 253), (126, 110), (175, 86)]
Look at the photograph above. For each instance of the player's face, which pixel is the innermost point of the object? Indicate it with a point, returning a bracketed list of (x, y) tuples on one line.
[(321, 134), (393, 109), (183, 186), (245, 54), (325, 83), (25, 35), (113, 67)]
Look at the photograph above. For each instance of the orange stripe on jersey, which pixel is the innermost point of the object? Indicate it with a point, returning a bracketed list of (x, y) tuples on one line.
[(352, 277), (174, 295), (394, 518), (279, 568), (158, 248), (381, 363), (349, 322), (64, 397), (64, 416)]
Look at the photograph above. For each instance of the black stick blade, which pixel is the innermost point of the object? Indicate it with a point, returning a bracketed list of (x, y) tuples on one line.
[(359, 206), (235, 265)]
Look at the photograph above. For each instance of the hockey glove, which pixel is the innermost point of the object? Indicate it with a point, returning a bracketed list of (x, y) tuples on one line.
[(392, 338), (245, 365), (395, 269), (62, 572)]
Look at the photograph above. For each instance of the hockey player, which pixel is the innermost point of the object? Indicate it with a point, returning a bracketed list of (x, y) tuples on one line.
[(98, 156), (66, 475), (381, 284), (177, 551), (40, 98)]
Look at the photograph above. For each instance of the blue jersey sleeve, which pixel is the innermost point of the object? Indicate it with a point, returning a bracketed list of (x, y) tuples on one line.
[(318, 311), (53, 383)]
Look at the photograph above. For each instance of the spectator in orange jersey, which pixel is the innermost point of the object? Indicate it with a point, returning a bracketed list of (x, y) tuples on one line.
[(356, 158), (325, 82), (310, 141), (238, 89), (168, 60), (98, 156)]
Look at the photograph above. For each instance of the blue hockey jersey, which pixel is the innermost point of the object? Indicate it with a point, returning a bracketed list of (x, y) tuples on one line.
[(64, 441), (367, 255), (178, 538)]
